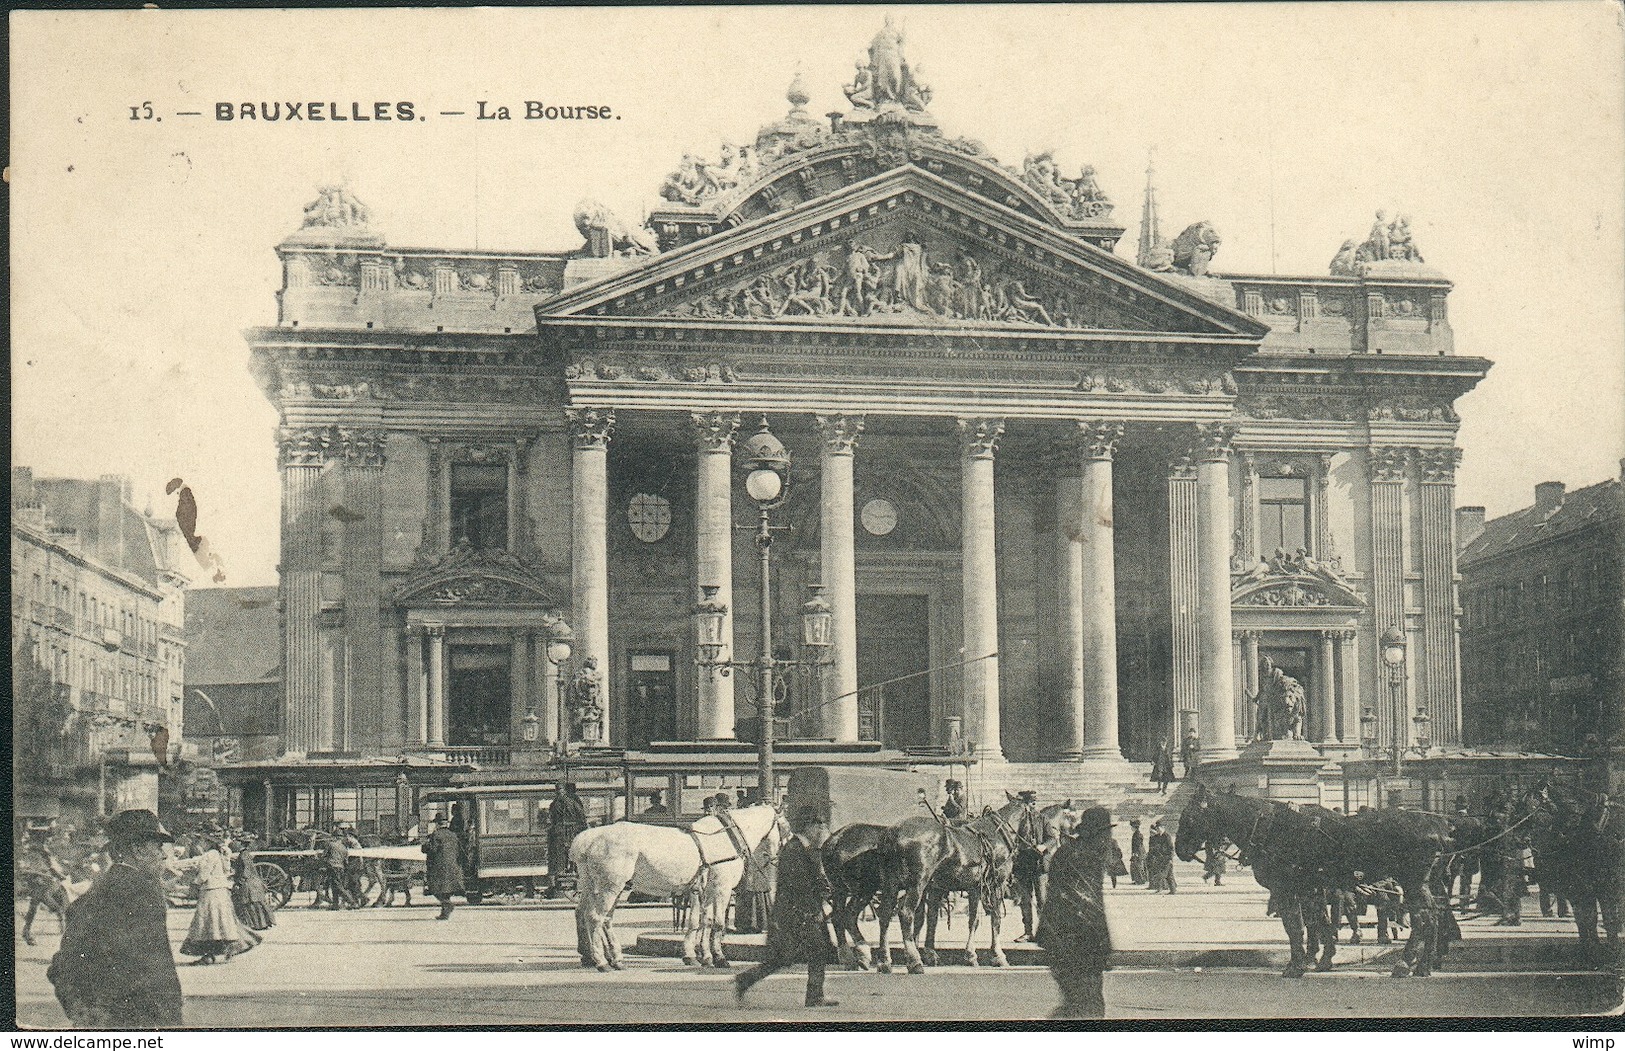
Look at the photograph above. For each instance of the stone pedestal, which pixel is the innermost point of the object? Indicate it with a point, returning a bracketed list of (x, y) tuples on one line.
[(1286, 771)]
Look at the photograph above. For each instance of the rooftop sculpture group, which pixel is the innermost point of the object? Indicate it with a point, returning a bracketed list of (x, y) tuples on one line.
[(1387, 242)]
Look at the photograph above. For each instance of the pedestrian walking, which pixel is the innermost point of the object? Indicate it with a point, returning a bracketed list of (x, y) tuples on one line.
[(249, 897), (1190, 750), (1072, 927), (333, 886), (1136, 853), (1514, 878), (1162, 767), (1027, 875), (1491, 862), (115, 969), (566, 819), (1159, 860), (444, 854), (215, 934), (797, 927)]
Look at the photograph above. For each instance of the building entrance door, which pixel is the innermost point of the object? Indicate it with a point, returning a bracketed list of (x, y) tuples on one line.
[(894, 653), (652, 690), (479, 698)]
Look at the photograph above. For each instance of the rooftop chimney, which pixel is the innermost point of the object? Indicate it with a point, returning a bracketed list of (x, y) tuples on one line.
[(22, 486), (1469, 526), (110, 519), (1548, 496)]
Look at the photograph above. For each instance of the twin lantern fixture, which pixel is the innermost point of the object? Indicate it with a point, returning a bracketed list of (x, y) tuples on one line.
[(1392, 649)]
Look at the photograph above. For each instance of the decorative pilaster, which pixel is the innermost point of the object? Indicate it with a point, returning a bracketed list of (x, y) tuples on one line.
[(1097, 443), (713, 527), (437, 686), (978, 440), (302, 455), (519, 539), (437, 526), (1440, 690), (1218, 717), (1323, 518), (1182, 586), (1245, 727), (544, 687), (1388, 466), (590, 431), (363, 554), (417, 685), (1249, 553), (519, 663), (1326, 690), (1348, 674), (838, 716)]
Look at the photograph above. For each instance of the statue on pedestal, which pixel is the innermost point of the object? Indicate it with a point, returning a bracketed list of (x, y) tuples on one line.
[(1281, 704), (586, 704)]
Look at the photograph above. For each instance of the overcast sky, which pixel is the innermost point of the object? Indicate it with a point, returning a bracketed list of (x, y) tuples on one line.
[(142, 249)]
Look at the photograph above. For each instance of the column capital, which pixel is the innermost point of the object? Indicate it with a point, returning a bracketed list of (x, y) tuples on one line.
[(1323, 475), (1249, 634), (840, 431), (1438, 465), (1214, 442), (1097, 439), (590, 428), (1181, 467), (979, 436), (1331, 634), (521, 447), (362, 446), (435, 631), (1387, 463), (714, 431), (304, 446), (1349, 634)]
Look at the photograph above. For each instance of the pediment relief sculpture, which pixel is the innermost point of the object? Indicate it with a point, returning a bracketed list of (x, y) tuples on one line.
[(467, 576), (905, 278), (1296, 579)]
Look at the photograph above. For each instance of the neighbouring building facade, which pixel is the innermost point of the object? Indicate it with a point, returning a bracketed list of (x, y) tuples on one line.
[(99, 651), (1544, 634), (1064, 505)]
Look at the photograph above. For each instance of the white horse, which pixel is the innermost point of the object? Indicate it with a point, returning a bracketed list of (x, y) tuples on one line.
[(702, 865)]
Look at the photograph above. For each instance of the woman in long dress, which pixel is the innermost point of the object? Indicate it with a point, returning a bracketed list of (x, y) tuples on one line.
[(215, 932), (248, 894)]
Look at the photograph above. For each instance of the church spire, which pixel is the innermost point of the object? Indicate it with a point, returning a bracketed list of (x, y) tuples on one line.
[(1150, 229)]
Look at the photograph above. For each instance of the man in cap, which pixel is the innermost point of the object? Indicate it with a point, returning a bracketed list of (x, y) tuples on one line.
[(797, 929), (566, 820), (1027, 872), (115, 969), (953, 803), (1072, 928), (444, 853)]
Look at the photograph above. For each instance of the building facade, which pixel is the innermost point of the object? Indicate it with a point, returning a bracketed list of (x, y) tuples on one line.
[(1064, 505), (99, 652), (1543, 631)]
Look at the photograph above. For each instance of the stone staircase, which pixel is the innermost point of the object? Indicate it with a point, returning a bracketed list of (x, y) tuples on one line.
[(1125, 789)]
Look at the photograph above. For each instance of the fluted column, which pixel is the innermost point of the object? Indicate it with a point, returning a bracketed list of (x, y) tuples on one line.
[(1249, 553), (1182, 597), (978, 439), (417, 686), (363, 711), (589, 548), (437, 686), (1388, 467), (1218, 718), (544, 687), (1326, 691), (1348, 669), (838, 717), (303, 454), (1249, 678), (518, 684), (713, 527), (1063, 738), (1097, 442), (1440, 687)]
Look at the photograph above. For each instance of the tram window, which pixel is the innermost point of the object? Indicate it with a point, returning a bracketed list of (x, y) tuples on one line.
[(505, 817)]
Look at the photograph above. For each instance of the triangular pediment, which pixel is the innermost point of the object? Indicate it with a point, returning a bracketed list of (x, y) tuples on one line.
[(467, 577), (904, 248)]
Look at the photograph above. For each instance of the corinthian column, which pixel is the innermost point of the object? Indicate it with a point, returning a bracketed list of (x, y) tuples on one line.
[(1063, 739), (838, 717), (303, 452), (1218, 716), (1098, 646), (713, 527), (590, 431), (978, 438), (365, 715)]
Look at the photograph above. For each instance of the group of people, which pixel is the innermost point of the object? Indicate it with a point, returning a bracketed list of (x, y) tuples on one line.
[(1498, 852), (1162, 764)]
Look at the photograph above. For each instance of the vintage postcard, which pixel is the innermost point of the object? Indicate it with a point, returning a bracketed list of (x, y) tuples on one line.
[(826, 515)]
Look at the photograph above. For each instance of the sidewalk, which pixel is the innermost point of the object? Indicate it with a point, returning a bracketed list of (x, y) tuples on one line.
[(1206, 926)]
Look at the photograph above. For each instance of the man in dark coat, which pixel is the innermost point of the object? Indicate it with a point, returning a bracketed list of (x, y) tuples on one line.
[(445, 876), (116, 969), (1027, 873), (797, 928), (334, 881), (566, 820), (1072, 928), (953, 803)]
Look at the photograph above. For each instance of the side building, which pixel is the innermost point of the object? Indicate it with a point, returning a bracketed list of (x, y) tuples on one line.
[(98, 647), (1543, 636)]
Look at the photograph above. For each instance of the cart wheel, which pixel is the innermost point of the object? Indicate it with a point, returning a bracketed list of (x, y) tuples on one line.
[(278, 884)]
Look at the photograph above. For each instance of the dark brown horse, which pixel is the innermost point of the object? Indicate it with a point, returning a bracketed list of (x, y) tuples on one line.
[(855, 866), (926, 860), (1583, 836), (1303, 855)]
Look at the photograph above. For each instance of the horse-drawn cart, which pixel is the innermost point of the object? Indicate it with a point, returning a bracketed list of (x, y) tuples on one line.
[(283, 869)]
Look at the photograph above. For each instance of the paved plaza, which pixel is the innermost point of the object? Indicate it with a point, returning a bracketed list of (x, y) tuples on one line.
[(516, 964)]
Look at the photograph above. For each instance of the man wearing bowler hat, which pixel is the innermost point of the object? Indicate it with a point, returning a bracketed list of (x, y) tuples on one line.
[(115, 969), (1072, 928)]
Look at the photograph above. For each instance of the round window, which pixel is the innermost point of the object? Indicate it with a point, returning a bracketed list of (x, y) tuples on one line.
[(649, 516), (879, 517)]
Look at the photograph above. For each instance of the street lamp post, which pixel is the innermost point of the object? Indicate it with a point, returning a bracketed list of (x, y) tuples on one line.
[(767, 480), (1393, 658), (558, 655)]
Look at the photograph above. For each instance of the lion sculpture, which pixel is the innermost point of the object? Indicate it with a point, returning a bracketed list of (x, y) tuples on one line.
[(592, 215), (1195, 248)]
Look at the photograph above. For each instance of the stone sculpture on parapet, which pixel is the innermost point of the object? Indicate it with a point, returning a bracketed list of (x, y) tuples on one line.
[(1194, 249), (1389, 249)]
